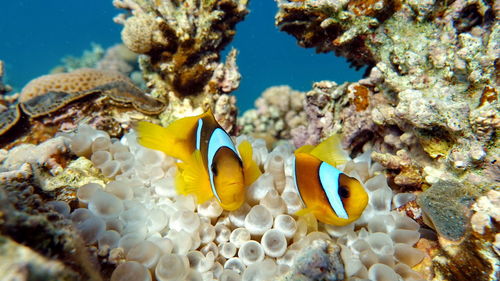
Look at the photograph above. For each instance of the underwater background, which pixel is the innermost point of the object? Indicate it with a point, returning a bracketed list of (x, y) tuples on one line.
[(247, 140), (42, 33)]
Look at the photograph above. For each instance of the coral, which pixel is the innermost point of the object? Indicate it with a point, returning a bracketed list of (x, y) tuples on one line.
[(487, 212), (52, 246), (18, 262), (89, 59), (339, 26), (182, 40), (476, 255), (320, 261), (45, 155), (118, 58), (278, 110), (225, 80), (428, 108), (445, 206), (445, 106), (65, 96), (76, 82), (3, 87)]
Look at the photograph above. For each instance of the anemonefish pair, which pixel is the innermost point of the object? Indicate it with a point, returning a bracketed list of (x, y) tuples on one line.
[(211, 166), (332, 196), (210, 163)]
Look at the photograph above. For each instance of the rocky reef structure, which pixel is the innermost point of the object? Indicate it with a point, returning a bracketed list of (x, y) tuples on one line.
[(81, 200), (277, 111), (180, 42), (428, 108)]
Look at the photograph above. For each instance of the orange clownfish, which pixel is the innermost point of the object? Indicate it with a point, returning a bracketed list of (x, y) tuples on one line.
[(210, 164), (332, 196)]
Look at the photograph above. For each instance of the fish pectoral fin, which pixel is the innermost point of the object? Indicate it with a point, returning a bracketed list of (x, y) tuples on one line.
[(309, 216), (192, 178), (331, 151), (304, 211), (173, 140), (251, 170)]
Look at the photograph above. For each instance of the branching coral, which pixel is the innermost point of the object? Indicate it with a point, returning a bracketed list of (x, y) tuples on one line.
[(88, 59), (182, 39), (278, 110), (181, 42), (3, 87)]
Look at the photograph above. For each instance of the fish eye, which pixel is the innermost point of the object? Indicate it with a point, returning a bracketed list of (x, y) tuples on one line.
[(213, 168), (343, 191)]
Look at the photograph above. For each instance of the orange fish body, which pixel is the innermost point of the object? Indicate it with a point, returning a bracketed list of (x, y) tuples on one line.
[(332, 196), (210, 163)]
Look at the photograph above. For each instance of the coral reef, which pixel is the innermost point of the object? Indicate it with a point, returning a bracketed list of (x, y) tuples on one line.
[(36, 238), (338, 26), (88, 59), (181, 44), (428, 108), (65, 95), (18, 262), (91, 204), (133, 217), (182, 40), (277, 111), (118, 58), (444, 105)]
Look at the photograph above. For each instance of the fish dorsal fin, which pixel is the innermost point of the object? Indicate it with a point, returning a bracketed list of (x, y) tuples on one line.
[(192, 178), (304, 149), (250, 168), (175, 140), (331, 151)]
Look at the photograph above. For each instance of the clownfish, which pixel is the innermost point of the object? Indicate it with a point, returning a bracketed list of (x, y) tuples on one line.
[(210, 163), (330, 195)]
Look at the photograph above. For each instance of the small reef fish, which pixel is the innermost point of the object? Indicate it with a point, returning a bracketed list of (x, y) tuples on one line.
[(329, 194), (211, 165)]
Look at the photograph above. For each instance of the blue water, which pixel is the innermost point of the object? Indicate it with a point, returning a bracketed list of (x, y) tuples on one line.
[(36, 34)]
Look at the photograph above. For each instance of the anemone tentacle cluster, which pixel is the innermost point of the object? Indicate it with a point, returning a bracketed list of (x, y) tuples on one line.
[(137, 221)]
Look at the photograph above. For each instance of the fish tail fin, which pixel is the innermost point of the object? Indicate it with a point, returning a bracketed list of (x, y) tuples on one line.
[(174, 140), (331, 151), (192, 178), (251, 170), (154, 136)]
